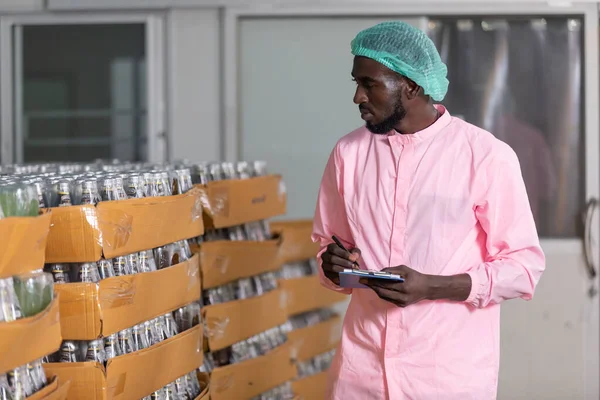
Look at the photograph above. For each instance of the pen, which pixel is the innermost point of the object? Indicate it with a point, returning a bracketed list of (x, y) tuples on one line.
[(341, 246)]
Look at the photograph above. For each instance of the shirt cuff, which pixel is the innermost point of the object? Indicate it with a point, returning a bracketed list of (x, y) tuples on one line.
[(477, 288)]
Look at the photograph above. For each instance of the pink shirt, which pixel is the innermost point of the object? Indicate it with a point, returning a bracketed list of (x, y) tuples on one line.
[(446, 200)]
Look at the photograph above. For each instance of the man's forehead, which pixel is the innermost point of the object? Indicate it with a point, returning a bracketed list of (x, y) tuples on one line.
[(364, 67)]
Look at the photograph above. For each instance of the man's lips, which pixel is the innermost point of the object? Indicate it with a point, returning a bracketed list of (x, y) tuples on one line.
[(365, 114)]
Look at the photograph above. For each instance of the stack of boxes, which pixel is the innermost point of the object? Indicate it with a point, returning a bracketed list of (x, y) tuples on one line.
[(306, 299), (233, 325), (91, 311), (28, 338)]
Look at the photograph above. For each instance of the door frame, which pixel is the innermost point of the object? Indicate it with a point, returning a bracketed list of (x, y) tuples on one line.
[(11, 101), (591, 51)]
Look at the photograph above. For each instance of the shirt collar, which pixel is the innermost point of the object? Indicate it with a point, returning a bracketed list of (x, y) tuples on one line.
[(426, 133)]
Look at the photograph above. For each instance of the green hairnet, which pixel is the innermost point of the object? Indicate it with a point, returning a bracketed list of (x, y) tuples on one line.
[(407, 51)]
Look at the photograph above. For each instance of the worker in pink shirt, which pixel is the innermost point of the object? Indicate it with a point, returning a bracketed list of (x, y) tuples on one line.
[(436, 200)]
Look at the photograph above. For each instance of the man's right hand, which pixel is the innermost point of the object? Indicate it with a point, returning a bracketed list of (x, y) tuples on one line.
[(336, 259)]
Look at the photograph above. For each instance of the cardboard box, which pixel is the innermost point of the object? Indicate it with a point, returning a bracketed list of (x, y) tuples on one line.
[(317, 339), (234, 321), (312, 387), (54, 390), (116, 228), (204, 380), (28, 339), (296, 244), (237, 201), (253, 377), (91, 310), (307, 294), (60, 393), (225, 261), (135, 375), (23, 244)]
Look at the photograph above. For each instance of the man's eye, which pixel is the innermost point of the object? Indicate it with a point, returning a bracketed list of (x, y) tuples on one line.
[(366, 85)]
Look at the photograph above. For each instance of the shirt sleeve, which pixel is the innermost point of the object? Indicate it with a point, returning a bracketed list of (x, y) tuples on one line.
[(330, 216), (515, 261)]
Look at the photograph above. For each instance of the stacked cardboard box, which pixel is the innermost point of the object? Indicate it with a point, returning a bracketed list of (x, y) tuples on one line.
[(227, 204), (89, 311), (305, 295), (22, 250)]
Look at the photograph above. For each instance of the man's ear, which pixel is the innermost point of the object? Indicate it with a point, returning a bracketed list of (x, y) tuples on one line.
[(412, 89)]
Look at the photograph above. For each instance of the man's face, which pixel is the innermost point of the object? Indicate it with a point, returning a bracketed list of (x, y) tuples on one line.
[(378, 95)]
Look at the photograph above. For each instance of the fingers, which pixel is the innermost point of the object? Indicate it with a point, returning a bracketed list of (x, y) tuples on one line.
[(337, 256), (337, 261), (329, 268), (401, 270), (390, 295), (384, 284), (389, 285), (333, 277), (354, 254), (336, 250)]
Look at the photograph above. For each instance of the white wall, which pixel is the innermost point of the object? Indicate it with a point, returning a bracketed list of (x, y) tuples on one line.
[(296, 105), (21, 5), (99, 4), (194, 104)]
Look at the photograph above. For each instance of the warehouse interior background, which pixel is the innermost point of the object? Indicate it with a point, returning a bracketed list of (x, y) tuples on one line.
[(158, 80)]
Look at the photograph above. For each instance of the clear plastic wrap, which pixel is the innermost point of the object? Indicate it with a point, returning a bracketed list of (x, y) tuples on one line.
[(126, 376), (25, 295), (118, 228), (132, 339), (248, 378), (296, 242), (225, 261), (29, 319), (114, 207), (315, 365), (17, 199), (281, 392), (106, 297), (241, 289), (307, 293), (23, 381), (230, 202), (187, 386), (299, 269), (255, 346), (311, 318), (317, 337), (250, 348), (231, 322), (34, 292), (23, 244)]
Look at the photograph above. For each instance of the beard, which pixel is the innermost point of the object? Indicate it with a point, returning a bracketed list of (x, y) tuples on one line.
[(390, 122)]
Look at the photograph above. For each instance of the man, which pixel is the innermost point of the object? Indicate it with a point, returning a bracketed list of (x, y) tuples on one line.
[(440, 202)]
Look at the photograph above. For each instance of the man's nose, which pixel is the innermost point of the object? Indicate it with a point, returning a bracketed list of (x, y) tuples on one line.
[(360, 96)]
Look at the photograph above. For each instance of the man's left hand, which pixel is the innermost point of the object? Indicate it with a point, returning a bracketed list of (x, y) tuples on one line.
[(416, 286)]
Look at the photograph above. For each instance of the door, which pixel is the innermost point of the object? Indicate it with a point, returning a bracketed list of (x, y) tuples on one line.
[(531, 79), (522, 78), (79, 88)]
